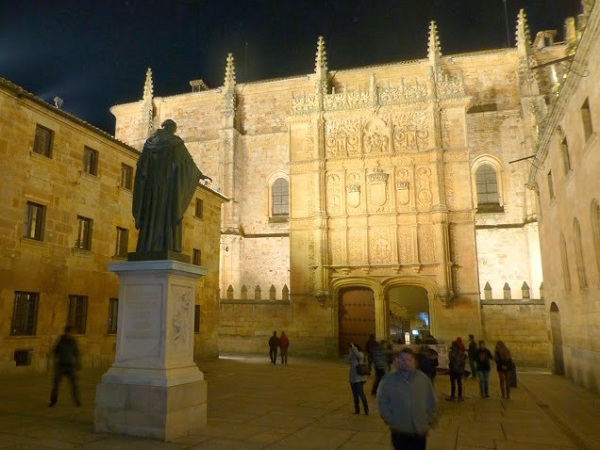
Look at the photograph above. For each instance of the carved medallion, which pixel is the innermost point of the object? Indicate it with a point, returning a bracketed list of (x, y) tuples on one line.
[(378, 187)]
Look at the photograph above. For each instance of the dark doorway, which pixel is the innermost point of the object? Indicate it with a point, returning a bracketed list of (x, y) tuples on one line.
[(557, 350), (356, 317), (408, 314)]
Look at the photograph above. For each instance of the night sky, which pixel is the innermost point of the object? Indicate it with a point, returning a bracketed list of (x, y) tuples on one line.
[(95, 54)]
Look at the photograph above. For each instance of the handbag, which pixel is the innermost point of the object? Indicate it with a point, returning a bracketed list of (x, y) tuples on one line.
[(363, 369)]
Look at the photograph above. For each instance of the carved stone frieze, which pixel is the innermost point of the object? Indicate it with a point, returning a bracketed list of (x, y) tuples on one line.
[(356, 238), (411, 131), (375, 137), (380, 248), (334, 194), (424, 194), (342, 138), (426, 244)]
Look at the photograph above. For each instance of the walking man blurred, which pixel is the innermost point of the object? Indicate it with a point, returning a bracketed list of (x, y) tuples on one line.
[(66, 363)]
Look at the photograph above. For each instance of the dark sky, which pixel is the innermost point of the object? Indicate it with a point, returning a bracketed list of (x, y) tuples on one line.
[(94, 54)]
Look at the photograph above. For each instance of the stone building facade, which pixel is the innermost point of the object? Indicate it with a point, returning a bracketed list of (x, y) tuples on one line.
[(65, 202), (378, 199), (565, 176)]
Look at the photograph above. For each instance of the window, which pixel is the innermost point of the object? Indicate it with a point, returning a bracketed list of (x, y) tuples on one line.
[(84, 233), (35, 216), (196, 318), (199, 211), (197, 257), (25, 309), (42, 143), (579, 255), (126, 176), (565, 263), (77, 317), (596, 231), (487, 188), (550, 186), (280, 198), (122, 241), (90, 161), (564, 149), (113, 314), (586, 119)]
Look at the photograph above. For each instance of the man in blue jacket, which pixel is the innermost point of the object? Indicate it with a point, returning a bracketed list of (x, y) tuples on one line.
[(407, 403)]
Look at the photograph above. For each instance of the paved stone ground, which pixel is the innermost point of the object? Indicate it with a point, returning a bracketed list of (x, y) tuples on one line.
[(308, 405)]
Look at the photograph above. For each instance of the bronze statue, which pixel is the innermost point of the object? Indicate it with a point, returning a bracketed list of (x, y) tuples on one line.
[(165, 182)]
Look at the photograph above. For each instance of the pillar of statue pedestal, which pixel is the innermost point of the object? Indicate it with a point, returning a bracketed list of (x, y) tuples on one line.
[(153, 388)]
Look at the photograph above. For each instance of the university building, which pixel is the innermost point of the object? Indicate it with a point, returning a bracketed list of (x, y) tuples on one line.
[(65, 202)]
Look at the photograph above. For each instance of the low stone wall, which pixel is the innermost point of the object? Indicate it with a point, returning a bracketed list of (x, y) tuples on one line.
[(522, 325)]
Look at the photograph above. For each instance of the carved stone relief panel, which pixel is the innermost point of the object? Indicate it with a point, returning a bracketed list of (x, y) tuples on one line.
[(378, 190), (406, 240), (403, 188), (180, 331), (411, 131), (336, 248), (354, 188), (342, 138), (424, 185), (376, 138), (356, 246), (426, 243), (334, 194), (449, 187), (380, 246)]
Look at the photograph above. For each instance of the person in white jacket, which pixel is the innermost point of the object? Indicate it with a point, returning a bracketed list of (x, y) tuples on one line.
[(357, 382)]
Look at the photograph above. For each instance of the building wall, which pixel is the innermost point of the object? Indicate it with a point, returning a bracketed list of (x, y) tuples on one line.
[(572, 277), (52, 267)]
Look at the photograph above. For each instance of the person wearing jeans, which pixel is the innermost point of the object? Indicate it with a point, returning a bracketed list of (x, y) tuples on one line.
[(357, 381), (484, 356)]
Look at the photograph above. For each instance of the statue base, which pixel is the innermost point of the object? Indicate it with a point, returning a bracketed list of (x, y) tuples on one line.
[(154, 388), (158, 256)]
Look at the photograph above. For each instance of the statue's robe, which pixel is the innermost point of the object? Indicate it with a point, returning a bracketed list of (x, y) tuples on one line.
[(165, 182)]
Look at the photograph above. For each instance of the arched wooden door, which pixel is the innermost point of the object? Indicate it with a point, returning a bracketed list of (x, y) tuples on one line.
[(356, 307)]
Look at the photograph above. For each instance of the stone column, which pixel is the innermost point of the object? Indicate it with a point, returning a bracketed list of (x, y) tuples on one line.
[(154, 387)]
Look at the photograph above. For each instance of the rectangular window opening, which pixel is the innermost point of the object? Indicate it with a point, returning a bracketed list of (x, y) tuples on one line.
[(43, 141), (586, 119), (90, 161), (199, 211), (84, 233), (113, 315), (77, 317), (126, 177), (197, 257), (196, 318), (122, 242), (35, 216), (25, 310)]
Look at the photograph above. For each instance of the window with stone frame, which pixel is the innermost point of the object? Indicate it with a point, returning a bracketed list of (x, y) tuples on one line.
[(565, 263), (196, 318), (42, 143), (280, 201), (90, 161), (122, 242), (113, 315), (586, 119), (581, 275), (486, 181), (35, 217), (84, 233), (596, 231), (197, 257), (564, 150), (126, 177), (25, 311), (199, 209), (550, 185), (77, 314)]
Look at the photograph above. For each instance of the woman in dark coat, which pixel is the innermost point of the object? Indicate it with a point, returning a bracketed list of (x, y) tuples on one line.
[(503, 360)]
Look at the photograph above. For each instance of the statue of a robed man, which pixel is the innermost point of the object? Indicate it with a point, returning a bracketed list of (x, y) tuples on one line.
[(165, 182)]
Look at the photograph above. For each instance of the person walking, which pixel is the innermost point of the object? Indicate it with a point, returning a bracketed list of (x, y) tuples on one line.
[(357, 381), (66, 363), (380, 364), (428, 361), (472, 352), (504, 363), (273, 344), (284, 343), (484, 356), (369, 346), (457, 367), (407, 403)]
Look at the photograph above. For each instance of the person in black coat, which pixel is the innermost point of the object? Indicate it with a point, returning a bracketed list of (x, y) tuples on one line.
[(66, 363)]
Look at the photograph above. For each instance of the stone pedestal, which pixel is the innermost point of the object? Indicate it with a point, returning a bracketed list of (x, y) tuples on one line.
[(153, 388)]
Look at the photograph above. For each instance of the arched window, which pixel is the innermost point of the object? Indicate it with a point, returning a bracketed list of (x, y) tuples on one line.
[(565, 263), (280, 199), (596, 231), (486, 183), (579, 255)]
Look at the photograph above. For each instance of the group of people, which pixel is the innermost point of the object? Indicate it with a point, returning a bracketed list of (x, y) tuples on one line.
[(282, 343), (405, 397)]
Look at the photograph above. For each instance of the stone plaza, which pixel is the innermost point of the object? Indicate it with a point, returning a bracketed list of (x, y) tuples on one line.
[(308, 405)]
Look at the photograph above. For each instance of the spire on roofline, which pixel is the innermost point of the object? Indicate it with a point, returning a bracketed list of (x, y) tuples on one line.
[(434, 48)]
